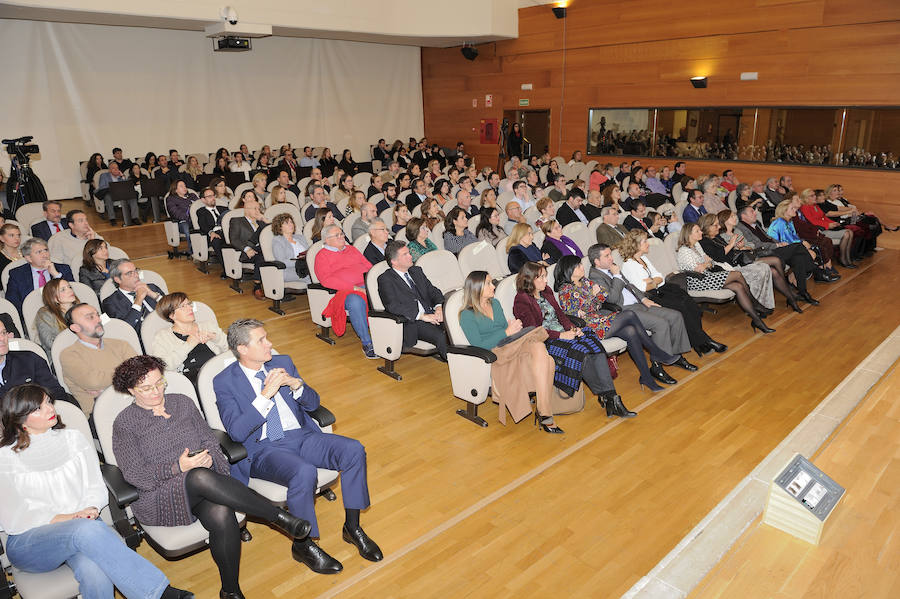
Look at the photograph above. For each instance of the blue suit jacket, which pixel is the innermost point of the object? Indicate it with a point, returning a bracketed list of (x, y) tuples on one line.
[(21, 283), (691, 214), (243, 423), (42, 229)]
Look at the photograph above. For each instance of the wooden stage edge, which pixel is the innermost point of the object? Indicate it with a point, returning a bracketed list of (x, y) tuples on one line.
[(701, 550)]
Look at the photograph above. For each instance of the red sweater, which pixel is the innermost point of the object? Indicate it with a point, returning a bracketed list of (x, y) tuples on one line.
[(815, 215), (345, 269)]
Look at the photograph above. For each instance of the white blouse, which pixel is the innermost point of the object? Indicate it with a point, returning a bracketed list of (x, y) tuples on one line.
[(58, 473), (635, 273)]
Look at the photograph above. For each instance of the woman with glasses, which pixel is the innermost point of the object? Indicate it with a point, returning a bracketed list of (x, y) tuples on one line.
[(188, 344), (165, 449)]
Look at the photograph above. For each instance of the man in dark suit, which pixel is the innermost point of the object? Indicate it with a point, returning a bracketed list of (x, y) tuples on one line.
[(637, 218), (53, 222), (694, 210), (284, 179), (407, 292), (263, 404), (209, 220), (243, 233), (21, 367), (379, 237), (418, 194), (319, 198), (610, 232), (570, 211), (38, 272), (381, 153), (464, 201), (593, 206), (133, 300)]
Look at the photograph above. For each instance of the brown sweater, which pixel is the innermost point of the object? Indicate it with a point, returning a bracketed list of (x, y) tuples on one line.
[(147, 448), (87, 372)]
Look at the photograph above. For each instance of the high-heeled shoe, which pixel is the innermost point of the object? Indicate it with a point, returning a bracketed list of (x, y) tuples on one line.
[(843, 264), (718, 347), (547, 428), (615, 407), (650, 384), (656, 370), (891, 229), (763, 312), (703, 349), (792, 303), (806, 297), (757, 323)]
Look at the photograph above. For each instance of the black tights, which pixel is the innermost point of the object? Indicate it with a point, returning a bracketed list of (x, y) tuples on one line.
[(627, 327), (214, 498), (778, 278), (736, 283)]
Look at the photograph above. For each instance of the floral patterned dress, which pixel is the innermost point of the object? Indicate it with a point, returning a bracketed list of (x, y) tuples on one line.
[(580, 298)]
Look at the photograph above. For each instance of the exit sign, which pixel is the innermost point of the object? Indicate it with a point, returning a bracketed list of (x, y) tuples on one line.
[(523, 101)]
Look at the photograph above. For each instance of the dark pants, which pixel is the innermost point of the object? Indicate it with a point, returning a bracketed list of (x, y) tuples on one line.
[(674, 297), (292, 462), (433, 334), (801, 263)]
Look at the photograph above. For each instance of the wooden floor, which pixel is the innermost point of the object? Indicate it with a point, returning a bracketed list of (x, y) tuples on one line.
[(462, 511), (859, 553)]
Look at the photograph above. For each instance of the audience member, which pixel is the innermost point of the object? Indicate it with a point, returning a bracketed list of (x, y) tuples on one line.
[(783, 230), (556, 245), (514, 216), (378, 239), (406, 291), (178, 205), (37, 454), (53, 221), (308, 160), (520, 248), (417, 232), (521, 196), (571, 211), (361, 225), (10, 239), (638, 217), (38, 271), (400, 216), (456, 231), (695, 208), (284, 444), (289, 247), (191, 173), (88, 364), (209, 220), (133, 299), (547, 209), (188, 344), (489, 228), (319, 199), (244, 234), (813, 213), (342, 267), (522, 365), (50, 320)]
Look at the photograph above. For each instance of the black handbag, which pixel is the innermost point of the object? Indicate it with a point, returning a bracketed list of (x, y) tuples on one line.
[(744, 257)]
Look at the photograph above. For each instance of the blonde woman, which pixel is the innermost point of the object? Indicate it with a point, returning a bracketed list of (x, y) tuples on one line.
[(50, 320), (521, 248), (259, 186), (345, 189), (192, 171), (10, 238)]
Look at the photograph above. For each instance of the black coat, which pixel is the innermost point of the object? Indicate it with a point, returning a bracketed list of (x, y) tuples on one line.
[(399, 299), (27, 367), (118, 306)]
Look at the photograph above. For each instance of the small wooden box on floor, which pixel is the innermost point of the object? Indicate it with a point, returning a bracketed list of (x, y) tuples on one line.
[(801, 498)]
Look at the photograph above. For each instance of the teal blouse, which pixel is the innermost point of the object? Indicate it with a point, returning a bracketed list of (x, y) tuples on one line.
[(482, 331)]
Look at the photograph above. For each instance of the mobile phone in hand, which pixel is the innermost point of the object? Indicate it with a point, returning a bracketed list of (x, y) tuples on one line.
[(195, 452)]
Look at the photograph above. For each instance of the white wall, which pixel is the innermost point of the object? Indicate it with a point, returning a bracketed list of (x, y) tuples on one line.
[(85, 88)]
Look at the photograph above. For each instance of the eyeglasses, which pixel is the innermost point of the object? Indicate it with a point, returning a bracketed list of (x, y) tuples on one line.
[(158, 386), (131, 273)]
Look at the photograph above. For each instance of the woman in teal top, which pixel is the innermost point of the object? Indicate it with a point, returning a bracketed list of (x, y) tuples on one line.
[(417, 237), (485, 326)]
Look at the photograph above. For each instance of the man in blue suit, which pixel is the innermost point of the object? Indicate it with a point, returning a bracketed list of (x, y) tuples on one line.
[(38, 272), (54, 222), (263, 404), (694, 210)]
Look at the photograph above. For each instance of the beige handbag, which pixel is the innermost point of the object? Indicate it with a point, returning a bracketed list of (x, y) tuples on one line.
[(567, 405)]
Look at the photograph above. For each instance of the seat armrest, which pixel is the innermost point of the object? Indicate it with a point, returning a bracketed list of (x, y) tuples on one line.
[(276, 264), (321, 287), (234, 451), (387, 316), (577, 321), (323, 416), (118, 487), (470, 350)]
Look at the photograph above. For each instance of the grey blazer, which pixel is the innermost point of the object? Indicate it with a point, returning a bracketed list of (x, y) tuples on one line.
[(611, 236), (614, 286)]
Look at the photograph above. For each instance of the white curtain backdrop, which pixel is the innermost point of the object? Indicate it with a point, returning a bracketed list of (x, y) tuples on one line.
[(81, 89)]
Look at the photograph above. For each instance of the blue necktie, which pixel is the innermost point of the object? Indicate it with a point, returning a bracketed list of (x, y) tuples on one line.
[(273, 421)]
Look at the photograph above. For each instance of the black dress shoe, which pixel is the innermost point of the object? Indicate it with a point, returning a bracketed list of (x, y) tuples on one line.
[(226, 595), (307, 552), (173, 593), (718, 347), (366, 546), (294, 526), (112, 222), (703, 349), (681, 362), (656, 370)]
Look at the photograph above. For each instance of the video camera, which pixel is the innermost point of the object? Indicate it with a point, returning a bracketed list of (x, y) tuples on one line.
[(19, 147)]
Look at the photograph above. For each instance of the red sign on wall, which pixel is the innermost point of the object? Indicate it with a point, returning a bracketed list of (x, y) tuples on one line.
[(490, 131)]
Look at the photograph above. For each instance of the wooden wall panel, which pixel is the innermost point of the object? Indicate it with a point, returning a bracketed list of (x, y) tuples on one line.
[(807, 52)]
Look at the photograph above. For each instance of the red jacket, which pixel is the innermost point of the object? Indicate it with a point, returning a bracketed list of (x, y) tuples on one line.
[(345, 269), (526, 309), (815, 215)]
